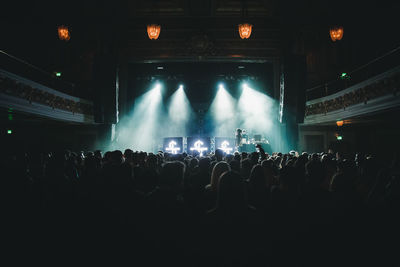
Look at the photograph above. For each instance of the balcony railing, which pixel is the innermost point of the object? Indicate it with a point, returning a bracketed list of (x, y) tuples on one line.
[(379, 65), (19, 67)]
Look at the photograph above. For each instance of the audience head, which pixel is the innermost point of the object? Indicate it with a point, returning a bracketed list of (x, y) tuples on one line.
[(204, 164), (231, 193), (151, 161), (218, 169), (171, 176), (219, 154), (193, 163), (235, 165), (254, 158), (257, 178), (246, 166), (315, 172)]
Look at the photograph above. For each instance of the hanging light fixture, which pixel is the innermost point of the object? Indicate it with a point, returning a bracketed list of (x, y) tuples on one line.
[(153, 31), (63, 33), (339, 123), (336, 33), (245, 30)]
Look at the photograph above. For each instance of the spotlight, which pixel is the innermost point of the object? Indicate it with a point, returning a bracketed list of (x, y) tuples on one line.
[(141, 127), (179, 113), (256, 109), (220, 86), (157, 86)]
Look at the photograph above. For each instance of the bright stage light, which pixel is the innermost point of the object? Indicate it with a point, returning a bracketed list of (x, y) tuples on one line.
[(222, 111), (157, 86), (256, 110), (225, 147), (198, 147), (172, 148), (139, 130), (179, 113)]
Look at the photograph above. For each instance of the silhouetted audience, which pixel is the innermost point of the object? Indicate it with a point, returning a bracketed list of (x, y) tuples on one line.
[(237, 205)]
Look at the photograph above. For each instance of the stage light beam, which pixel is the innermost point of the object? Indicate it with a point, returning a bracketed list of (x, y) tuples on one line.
[(179, 113), (256, 110), (139, 130), (222, 111)]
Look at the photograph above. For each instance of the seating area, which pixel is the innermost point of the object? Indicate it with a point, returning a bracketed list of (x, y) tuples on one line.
[(387, 86), (13, 88)]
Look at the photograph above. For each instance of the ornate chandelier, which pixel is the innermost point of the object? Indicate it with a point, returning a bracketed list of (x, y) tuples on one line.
[(336, 33), (63, 33), (245, 30), (153, 31)]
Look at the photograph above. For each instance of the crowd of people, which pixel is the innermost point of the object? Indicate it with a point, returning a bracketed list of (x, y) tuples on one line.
[(386, 86), (240, 209)]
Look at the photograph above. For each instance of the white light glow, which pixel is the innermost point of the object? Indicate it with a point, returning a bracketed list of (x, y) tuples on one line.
[(197, 146), (223, 112), (256, 110), (225, 147), (139, 130), (172, 148), (179, 114)]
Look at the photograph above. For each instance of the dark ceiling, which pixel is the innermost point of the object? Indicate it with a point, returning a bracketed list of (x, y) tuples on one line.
[(29, 28)]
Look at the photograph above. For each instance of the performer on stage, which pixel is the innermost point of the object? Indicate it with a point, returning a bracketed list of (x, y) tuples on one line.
[(238, 139)]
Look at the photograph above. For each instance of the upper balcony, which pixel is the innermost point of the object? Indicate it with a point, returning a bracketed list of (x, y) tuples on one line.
[(25, 88), (371, 88)]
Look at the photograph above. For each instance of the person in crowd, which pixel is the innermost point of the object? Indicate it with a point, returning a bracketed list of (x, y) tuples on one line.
[(258, 188), (212, 188), (165, 204), (180, 198), (245, 168), (219, 155), (231, 204), (235, 165)]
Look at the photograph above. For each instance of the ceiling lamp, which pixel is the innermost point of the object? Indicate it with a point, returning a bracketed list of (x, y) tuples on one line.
[(153, 31), (339, 123), (245, 30), (63, 33), (336, 33)]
